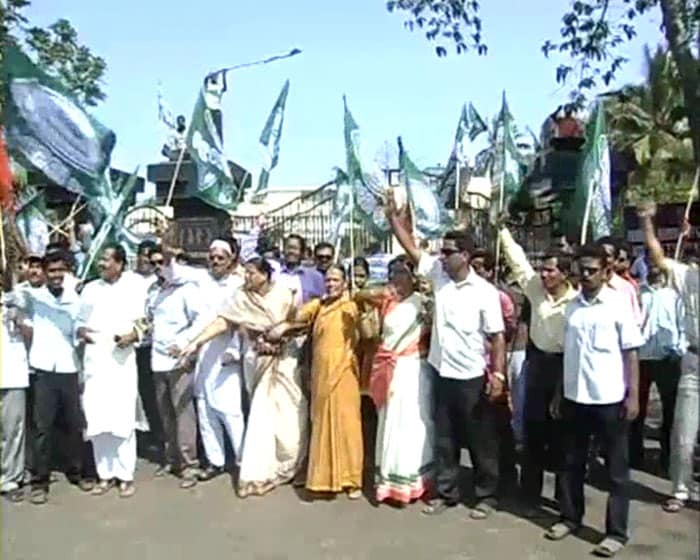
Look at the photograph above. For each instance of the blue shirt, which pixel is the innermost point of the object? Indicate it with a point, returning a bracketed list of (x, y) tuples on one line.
[(307, 283), (662, 325)]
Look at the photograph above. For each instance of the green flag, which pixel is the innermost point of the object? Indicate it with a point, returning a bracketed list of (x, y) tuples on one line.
[(592, 199), (47, 129), (359, 192), (111, 227), (215, 184), (270, 140), (476, 123), (505, 168), (430, 217)]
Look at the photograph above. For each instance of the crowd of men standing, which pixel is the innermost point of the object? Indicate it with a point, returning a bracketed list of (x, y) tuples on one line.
[(320, 377)]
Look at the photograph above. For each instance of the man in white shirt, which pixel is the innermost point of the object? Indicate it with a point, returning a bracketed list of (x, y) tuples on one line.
[(172, 310), (685, 280), (14, 382), (467, 316), (599, 398), (110, 309), (217, 377), (52, 310)]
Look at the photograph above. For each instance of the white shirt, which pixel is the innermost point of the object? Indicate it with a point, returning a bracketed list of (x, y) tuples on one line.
[(173, 310), (685, 279), (465, 313), (53, 320), (15, 367), (595, 335)]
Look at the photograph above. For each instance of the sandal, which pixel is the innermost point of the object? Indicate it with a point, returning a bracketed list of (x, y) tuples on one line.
[(482, 510), (126, 489), (15, 496), (674, 505), (608, 548), (437, 506), (102, 487), (354, 494), (559, 531)]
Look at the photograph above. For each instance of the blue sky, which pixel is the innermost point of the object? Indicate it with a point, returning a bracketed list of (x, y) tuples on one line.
[(394, 82)]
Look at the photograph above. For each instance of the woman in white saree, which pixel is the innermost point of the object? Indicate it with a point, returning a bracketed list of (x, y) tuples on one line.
[(276, 432)]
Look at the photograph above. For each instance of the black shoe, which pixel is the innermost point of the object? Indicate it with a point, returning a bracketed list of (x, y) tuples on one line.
[(210, 472), (437, 506)]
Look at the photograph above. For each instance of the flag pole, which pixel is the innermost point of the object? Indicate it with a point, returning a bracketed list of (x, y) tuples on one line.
[(3, 250), (176, 174), (290, 54), (686, 215), (586, 215), (352, 241), (501, 199), (457, 185)]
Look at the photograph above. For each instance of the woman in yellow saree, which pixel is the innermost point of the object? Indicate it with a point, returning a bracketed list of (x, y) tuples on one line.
[(335, 451)]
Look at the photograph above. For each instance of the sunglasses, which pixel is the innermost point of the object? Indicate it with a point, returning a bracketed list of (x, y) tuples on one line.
[(324, 257), (446, 252), (590, 270), (157, 262)]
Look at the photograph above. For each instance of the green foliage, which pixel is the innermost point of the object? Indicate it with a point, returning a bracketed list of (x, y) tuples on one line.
[(58, 51), (649, 121), (454, 22)]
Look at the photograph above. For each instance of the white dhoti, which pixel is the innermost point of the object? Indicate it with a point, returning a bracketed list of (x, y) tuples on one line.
[(115, 457), (217, 391)]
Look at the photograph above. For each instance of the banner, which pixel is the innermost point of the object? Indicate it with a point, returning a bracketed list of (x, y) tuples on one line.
[(47, 129)]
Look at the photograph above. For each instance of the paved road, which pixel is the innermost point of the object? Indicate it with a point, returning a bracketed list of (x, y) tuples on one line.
[(162, 522)]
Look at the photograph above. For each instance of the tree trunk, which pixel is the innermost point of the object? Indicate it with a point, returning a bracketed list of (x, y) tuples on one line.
[(678, 34)]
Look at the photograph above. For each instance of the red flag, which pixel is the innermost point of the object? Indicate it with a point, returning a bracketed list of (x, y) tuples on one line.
[(6, 192)]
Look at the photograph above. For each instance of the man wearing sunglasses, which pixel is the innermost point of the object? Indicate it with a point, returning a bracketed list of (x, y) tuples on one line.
[(172, 310), (598, 397), (467, 316), (217, 377)]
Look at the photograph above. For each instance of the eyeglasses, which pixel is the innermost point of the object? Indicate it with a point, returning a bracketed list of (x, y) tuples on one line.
[(589, 270), (447, 252)]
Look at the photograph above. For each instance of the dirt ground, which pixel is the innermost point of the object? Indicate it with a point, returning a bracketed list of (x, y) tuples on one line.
[(163, 522)]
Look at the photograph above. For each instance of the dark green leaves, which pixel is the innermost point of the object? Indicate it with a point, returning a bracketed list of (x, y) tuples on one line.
[(452, 23)]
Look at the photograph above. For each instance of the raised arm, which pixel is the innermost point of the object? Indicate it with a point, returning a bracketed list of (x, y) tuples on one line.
[(370, 296), (516, 258), (645, 213), (400, 225)]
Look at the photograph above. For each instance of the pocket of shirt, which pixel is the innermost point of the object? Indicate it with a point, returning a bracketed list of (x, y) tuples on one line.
[(604, 338)]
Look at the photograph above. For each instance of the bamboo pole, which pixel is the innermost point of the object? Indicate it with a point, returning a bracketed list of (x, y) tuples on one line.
[(501, 199), (3, 249), (686, 215), (176, 174)]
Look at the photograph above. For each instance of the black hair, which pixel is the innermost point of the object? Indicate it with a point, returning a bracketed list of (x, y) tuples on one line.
[(299, 238), (262, 265), (339, 267), (593, 251), (147, 246), (402, 260), (56, 255), (609, 240), (360, 262), (489, 259), (324, 245), (622, 245), (118, 250), (463, 240), (563, 259), (157, 249)]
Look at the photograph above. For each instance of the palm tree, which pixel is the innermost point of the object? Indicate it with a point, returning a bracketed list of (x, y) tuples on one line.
[(649, 121)]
